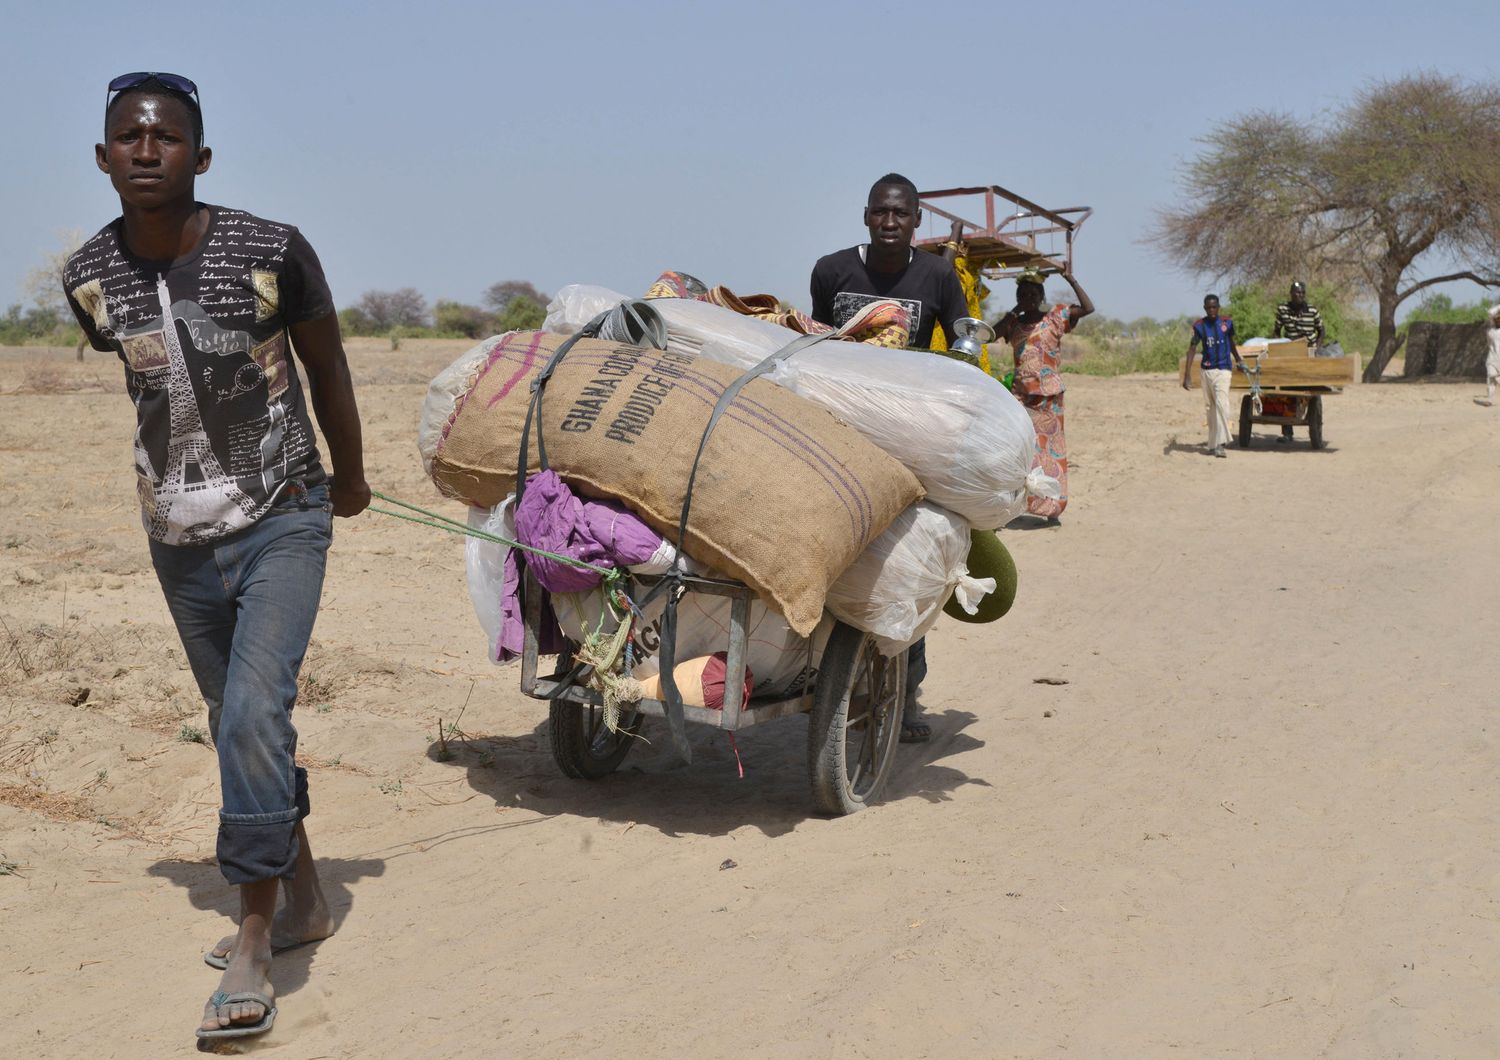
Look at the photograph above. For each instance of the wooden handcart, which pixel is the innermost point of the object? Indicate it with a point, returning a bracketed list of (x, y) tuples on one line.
[(1284, 387)]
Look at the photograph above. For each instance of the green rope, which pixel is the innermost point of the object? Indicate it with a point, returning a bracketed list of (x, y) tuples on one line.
[(441, 522)]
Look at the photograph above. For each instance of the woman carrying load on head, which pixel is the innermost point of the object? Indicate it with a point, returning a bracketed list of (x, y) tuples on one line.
[(1035, 337)]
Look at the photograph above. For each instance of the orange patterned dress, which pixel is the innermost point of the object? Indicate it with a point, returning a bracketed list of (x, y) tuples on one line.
[(1039, 385)]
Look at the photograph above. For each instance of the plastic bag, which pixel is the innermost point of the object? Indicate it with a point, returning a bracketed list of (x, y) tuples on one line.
[(443, 395), (965, 436), (484, 566), (897, 587), (577, 304)]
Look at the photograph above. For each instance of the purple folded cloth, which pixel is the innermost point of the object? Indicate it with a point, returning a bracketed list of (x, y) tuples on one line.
[(601, 533), (550, 639)]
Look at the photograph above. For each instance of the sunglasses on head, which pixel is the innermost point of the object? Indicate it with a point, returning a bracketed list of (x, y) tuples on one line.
[(176, 82)]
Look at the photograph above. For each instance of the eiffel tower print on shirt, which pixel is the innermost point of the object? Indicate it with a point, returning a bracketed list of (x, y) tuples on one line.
[(194, 494)]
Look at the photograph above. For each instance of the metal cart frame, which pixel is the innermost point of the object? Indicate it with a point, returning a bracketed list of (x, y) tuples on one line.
[(1307, 411), (1016, 233), (855, 697)]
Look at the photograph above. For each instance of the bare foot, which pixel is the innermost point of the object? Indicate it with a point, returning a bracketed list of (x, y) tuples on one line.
[(304, 915), (290, 928), (247, 973)]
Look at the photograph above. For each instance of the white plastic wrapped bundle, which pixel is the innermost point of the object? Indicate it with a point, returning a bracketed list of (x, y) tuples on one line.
[(484, 563), (897, 587), (960, 431), (443, 394)]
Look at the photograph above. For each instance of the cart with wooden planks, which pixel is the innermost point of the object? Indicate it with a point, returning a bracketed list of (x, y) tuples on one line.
[(1286, 386), (854, 696)]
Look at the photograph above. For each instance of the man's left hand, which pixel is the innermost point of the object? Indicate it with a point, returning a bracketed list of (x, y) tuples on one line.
[(349, 499)]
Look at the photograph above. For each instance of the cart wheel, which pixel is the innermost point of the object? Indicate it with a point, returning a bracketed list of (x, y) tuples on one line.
[(1247, 409), (855, 723), (1315, 421), (581, 744)]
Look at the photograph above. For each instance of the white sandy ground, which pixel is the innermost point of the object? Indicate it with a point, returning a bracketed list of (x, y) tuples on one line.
[(1259, 819)]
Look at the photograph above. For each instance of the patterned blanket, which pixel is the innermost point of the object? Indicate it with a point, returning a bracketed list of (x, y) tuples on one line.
[(879, 323)]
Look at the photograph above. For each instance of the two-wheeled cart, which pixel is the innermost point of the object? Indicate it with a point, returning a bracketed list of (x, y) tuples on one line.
[(1285, 407), (1285, 386), (854, 699)]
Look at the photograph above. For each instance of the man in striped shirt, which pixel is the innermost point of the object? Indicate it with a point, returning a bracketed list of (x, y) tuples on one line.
[(1295, 319)]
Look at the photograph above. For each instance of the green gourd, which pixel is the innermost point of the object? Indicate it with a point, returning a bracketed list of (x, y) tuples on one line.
[(988, 558)]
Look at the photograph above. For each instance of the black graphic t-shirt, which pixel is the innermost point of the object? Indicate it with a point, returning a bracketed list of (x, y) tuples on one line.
[(221, 419), (842, 285)]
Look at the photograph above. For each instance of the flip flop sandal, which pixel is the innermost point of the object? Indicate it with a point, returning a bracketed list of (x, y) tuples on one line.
[(221, 961), (241, 1030), (915, 731)]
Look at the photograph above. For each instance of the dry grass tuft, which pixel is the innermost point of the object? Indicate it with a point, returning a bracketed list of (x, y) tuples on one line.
[(21, 753), (64, 807), (316, 687), (326, 674), (50, 804), (44, 648), (57, 379), (314, 762)]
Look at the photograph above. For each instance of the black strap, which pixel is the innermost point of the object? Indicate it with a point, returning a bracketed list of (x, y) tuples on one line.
[(534, 413), (800, 343), (534, 407), (672, 580)]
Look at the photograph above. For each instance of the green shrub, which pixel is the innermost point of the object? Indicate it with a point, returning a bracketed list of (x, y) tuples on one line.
[(1116, 348), (37, 326), (1439, 309), (354, 322), (520, 314), (454, 319)]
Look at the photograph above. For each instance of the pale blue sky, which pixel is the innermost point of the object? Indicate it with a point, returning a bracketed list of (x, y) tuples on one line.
[(448, 145)]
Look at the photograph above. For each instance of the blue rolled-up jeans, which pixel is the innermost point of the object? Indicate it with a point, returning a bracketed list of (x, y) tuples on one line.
[(244, 607)]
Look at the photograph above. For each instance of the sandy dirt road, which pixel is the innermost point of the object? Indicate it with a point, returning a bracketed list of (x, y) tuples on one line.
[(1257, 819)]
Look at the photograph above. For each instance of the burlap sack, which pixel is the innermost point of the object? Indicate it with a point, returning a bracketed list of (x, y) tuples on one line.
[(785, 498)]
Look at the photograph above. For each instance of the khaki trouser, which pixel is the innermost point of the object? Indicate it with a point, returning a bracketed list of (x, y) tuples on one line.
[(1216, 397)]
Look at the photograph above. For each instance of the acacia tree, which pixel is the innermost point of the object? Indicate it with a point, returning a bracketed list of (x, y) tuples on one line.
[(1396, 192), (44, 282), (499, 295), (385, 310)]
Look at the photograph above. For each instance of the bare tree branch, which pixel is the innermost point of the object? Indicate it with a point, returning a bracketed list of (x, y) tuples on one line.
[(1483, 281)]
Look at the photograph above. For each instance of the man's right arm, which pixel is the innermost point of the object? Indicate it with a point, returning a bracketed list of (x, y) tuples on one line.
[(320, 347)]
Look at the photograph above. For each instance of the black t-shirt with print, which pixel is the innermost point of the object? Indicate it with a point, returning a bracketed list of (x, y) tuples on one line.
[(221, 415), (842, 285)]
